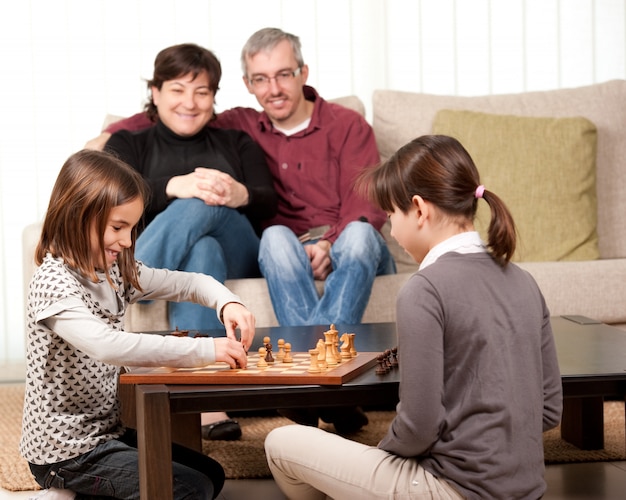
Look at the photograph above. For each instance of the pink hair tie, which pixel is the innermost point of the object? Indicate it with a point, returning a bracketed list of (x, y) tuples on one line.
[(479, 191)]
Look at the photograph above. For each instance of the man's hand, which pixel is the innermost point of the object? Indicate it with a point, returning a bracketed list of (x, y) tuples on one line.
[(319, 255), (98, 142), (209, 185)]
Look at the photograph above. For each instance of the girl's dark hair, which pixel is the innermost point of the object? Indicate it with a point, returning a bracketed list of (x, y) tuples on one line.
[(88, 186), (440, 170), (180, 60)]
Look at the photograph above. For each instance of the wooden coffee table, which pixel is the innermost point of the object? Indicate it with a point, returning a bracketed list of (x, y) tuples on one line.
[(591, 357)]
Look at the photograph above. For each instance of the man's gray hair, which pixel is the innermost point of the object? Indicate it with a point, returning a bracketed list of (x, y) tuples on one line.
[(265, 40)]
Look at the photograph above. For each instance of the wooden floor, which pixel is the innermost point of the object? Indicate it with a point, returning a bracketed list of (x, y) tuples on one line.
[(585, 481)]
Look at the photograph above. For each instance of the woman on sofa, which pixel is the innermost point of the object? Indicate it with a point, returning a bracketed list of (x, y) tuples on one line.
[(210, 188), (479, 379)]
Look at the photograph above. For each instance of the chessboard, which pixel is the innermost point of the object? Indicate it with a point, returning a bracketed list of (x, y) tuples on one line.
[(277, 373), (328, 363)]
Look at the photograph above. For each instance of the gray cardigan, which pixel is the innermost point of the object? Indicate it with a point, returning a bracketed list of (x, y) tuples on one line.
[(480, 380)]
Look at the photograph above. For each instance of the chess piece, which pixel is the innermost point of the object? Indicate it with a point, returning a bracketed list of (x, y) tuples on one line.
[(334, 337), (331, 359), (345, 347), (261, 363), (380, 369), (387, 355), (268, 350), (281, 350), (287, 358), (321, 358), (394, 357), (314, 368), (353, 352)]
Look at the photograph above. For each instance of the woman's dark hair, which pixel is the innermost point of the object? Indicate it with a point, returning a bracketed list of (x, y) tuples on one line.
[(440, 170), (180, 60), (89, 185)]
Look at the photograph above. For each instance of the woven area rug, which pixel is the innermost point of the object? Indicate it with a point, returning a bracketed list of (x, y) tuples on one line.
[(245, 459)]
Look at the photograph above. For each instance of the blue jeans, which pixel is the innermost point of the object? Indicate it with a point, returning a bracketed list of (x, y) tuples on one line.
[(192, 236), (358, 256), (111, 470)]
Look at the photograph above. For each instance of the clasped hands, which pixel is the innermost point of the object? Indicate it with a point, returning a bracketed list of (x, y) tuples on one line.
[(209, 185), (319, 256)]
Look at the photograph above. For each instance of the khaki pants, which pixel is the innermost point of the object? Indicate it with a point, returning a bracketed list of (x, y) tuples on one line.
[(311, 464)]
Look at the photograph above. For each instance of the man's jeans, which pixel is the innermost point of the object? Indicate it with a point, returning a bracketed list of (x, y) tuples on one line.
[(192, 236), (358, 256), (111, 470)]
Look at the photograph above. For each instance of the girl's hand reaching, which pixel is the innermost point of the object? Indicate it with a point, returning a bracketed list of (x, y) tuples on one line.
[(230, 351), (235, 315)]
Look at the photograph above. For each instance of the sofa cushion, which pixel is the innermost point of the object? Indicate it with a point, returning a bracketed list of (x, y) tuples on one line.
[(401, 116), (543, 169)]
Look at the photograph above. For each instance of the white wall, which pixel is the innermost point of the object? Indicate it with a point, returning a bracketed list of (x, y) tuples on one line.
[(66, 63)]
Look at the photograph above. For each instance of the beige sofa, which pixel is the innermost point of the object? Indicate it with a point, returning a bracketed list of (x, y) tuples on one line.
[(594, 288)]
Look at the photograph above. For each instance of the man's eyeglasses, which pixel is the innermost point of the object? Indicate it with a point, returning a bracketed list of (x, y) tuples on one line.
[(282, 77)]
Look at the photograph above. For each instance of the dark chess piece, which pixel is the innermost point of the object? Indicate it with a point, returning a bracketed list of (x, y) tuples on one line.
[(381, 369), (269, 358), (394, 357)]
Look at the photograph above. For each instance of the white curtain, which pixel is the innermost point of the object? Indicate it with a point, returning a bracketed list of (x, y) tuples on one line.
[(66, 63)]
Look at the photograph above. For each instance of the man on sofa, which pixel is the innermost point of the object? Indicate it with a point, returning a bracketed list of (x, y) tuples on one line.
[(323, 229)]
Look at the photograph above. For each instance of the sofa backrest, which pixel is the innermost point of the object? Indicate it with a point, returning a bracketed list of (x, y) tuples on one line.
[(399, 117)]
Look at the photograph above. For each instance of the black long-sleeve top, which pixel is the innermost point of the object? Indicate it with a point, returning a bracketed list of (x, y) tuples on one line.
[(158, 154)]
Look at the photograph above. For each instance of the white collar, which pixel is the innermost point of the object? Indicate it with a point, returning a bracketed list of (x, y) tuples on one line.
[(296, 129), (468, 242)]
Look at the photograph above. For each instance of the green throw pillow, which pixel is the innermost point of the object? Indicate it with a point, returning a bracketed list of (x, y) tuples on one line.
[(545, 171)]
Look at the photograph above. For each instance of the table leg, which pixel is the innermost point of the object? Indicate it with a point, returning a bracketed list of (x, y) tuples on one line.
[(582, 423), (154, 442)]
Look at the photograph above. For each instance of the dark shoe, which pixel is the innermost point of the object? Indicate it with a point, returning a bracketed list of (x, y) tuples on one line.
[(347, 420), (224, 430), (302, 416)]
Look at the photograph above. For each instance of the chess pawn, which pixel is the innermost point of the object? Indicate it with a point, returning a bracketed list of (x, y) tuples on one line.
[(281, 350), (314, 368), (287, 358), (394, 357), (268, 348), (261, 363), (381, 369)]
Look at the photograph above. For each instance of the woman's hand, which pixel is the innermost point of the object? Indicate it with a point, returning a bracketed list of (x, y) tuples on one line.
[(209, 185)]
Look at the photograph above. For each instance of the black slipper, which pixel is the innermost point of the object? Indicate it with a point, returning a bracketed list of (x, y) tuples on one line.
[(347, 420), (223, 430)]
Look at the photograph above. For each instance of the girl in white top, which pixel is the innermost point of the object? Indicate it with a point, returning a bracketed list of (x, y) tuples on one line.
[(87, 277)]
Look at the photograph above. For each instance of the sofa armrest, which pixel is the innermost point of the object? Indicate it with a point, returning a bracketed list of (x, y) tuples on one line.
[(594, 288)]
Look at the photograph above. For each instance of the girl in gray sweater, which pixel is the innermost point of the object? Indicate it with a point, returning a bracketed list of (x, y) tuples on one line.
[(479, 378)]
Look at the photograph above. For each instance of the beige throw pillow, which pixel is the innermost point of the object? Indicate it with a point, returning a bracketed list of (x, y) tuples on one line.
[(545, 171)]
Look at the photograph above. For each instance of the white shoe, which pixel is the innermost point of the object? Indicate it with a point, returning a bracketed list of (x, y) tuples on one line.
[(54, 494)]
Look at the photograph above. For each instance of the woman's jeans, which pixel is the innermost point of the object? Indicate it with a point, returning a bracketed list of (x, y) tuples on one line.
[(192, 236), (111, 470), (358, 256)]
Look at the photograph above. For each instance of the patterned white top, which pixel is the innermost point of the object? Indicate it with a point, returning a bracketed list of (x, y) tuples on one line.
[(76, 345)]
